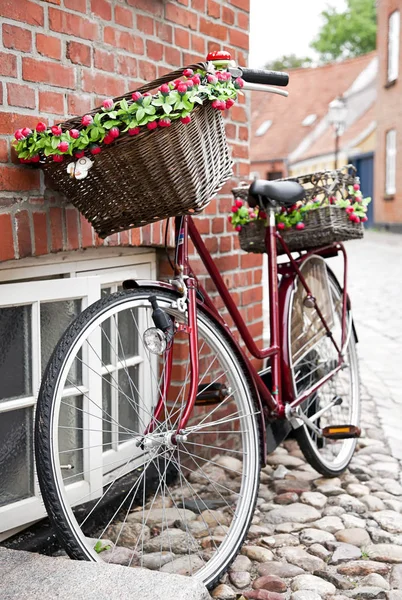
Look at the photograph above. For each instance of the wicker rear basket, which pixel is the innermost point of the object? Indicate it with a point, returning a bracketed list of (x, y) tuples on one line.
[(154, 175), (323, 226)]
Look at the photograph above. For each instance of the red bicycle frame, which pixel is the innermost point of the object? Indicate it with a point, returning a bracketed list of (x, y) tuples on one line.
[(274, 401)]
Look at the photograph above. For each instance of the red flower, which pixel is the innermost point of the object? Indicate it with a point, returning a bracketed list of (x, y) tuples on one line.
[(108, 103), (182, 89), (94, 149), (56, 130), (364, 219), (57, 158), (300, 226), (262, 214), (147, 94), (134, 131), (239, 203), (79, 154), (281, 226), (164, 89), (229, 103), (26, 131), (18, 135), (41, 127), (349, 210), (219, 104), (238, 227), (239, 83), (230, 218), (35, 159), (177, 82), (189, 84), (186, 119), (219, 76), (114, 132), (87, 120), (356, 187), (108, 139), (165, 122), (234, 208), (74, 133), (212, 79), (152, 125), (136, 96), (188, 72), (196, 80), (63, 146)]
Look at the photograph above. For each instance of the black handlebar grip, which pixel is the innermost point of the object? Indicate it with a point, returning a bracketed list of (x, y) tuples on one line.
[(265, 77)]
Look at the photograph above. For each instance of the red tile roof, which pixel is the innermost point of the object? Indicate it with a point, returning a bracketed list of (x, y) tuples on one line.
[(310, 92)]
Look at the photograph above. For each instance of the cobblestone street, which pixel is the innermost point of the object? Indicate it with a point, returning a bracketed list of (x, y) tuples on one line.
[(315, 538)]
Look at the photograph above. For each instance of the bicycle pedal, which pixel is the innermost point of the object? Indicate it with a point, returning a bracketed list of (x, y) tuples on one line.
[(211, 393), (341, 432)]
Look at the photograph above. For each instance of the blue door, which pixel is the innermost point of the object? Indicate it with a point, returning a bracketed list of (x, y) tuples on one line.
[(364, 164)]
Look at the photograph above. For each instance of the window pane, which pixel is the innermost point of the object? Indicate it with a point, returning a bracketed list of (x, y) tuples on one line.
[(128, 403), (15, 352), (393, 45), (70, 438), (106, 339), (107, 412), (390, 182), (16, 456), (128, 333), (55, 317)]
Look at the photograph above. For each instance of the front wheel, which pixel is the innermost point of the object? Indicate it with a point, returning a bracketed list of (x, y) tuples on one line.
[(314, 356), (118, 494)]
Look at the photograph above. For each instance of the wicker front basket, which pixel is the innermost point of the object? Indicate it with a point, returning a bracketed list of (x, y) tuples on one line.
[(154, 175), (323, 226)]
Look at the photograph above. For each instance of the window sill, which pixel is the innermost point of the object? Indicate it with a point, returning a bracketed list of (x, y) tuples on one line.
[(389, 197), (390, 84)]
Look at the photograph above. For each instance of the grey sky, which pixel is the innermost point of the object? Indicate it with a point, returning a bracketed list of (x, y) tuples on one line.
[(280, 27)]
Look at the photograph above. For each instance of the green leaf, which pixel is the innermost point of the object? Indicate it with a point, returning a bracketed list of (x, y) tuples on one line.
[(48, 151), (97, 119), (140, 114), (150, 110), (158, 101), (147, 101), (109, 124), (123, 104), (94, 133), (167, 108), (55, 143)]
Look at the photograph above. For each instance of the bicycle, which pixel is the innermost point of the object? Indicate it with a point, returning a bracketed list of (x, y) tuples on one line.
[(174, 420)]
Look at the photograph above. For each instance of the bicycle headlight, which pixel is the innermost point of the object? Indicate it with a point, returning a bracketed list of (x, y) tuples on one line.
[(155, 340)]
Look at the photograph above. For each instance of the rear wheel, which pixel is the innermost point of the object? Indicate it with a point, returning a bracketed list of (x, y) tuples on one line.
[(314, 356), (118, 496)]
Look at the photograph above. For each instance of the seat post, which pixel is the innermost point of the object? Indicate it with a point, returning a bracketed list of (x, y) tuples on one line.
[(270, 243)]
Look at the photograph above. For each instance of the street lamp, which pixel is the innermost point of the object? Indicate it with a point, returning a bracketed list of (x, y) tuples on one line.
[(337, 112)]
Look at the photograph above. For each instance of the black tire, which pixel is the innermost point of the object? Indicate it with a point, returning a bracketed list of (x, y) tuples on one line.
[(317, 450), (64, 520)]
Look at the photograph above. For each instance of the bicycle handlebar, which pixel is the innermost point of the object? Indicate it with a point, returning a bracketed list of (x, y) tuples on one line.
[(265, 77)]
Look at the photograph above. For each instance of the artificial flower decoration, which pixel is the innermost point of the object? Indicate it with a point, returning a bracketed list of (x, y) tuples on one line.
[(142, 112)]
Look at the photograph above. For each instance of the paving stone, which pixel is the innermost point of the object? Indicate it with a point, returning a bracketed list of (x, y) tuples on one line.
[(298, 513), (172, 540), (291, 485), (272, 583), (355, 536), (357, 489), (375, 580), (240, 579), (389, 520), (230, 463), (363, 567), (185, 565), (280, 472), (256, 531), (344, 553), (339, 581), (299, 557), (329, 524), (367, 593), (167, 516), (351, 504), (241, 563), (320, 551), (306, 595), (286, 498), (333, 511), (390, 553), (394, 595), (315, 536), (395, 579), (373, 503), (281, 569), (261, 595), (393, 487), (315, 499), (311, 582), (223, 592), (156, 560), (350, 521), (386, 469), (280, 540), (284, 459), (257, 553)]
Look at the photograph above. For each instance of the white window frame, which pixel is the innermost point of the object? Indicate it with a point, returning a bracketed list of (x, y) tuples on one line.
[(394, 26), (84, 275), (390, 162)]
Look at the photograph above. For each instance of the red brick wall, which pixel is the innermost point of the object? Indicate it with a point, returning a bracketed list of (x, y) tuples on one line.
[(389, 116), (60, 58)]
